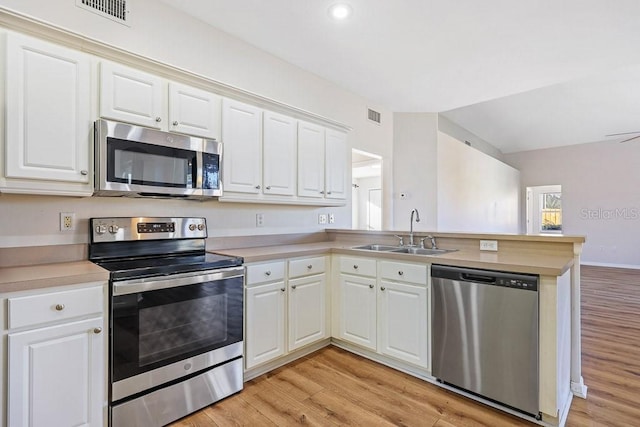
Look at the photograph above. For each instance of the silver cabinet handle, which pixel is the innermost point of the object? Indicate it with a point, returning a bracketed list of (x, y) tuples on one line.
[(400, 273), (257, 187), (175, 123), (294, 286), (84, 172), (355, 266), (322, 192), (370, 286), (97, 330), (268, 273), (268, 187), (59, 307), (158, 119), (382, 288), (309, 266), (328, 192), (282, 289)]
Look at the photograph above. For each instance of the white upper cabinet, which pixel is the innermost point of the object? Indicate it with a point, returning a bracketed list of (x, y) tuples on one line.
[(48, 128), (242, 138), (279, 154), (133, 96), (194, 111), (336, 165), (310, 160)]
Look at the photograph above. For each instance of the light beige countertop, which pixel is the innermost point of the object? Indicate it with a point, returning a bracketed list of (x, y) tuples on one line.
[(543, 264), (49, 275)]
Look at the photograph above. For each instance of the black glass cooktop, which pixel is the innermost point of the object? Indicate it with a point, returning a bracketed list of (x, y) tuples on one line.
[(133, 268)]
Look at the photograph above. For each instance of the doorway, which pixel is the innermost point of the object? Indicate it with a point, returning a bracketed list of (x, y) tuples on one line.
[(544, 209), (366, 191)]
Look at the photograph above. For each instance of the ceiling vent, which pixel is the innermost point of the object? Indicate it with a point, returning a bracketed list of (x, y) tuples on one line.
[(374, 116), (116, 10)]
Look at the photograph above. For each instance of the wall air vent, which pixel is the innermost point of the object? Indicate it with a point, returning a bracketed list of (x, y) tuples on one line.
[(116, 10), (374, 116)]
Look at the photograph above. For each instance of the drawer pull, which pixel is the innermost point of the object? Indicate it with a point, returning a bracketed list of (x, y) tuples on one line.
[(400, 273), (59, 307), (355, 266), (97, 330), (382, 288), (294, 286), (267, 273), (370, 286), (175, 123), (309, 266), (282, 289)]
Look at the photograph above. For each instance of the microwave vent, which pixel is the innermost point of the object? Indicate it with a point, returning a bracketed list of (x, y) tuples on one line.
[(115, 10), (374, 116)]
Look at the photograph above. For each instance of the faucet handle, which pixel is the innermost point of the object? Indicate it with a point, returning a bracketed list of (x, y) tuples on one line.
[(422, 239), (433, 242), (401, 240)]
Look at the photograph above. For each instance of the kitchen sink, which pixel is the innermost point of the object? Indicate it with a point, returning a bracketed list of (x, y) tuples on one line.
[(404, 249), (424, 251), (384, 248)]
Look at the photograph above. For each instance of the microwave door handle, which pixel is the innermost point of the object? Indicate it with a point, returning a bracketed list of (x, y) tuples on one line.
[(199, 170)]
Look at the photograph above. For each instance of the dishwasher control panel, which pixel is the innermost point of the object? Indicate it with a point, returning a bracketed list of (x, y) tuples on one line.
[(519, 283)]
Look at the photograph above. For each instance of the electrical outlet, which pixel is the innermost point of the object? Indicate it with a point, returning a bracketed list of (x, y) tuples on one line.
[(67, 221), (259, 220), (322, 219), (488, 245), (332, 218)]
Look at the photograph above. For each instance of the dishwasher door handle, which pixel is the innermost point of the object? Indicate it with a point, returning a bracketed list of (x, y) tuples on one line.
[(477, 278)]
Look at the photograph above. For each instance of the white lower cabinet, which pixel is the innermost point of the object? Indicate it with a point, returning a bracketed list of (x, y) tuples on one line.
[(384, 306), (285, 308), (56, 367)]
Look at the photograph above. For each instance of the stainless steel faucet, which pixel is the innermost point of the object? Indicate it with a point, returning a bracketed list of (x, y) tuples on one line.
[(417, 214)]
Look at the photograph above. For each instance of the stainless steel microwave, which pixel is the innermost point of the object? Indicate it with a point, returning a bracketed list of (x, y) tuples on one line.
[(141, 162)]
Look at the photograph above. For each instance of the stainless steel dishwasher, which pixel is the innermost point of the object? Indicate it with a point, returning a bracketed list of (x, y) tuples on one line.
[(485, 334)]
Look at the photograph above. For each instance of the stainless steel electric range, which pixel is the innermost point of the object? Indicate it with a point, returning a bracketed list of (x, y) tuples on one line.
[(176, 318)]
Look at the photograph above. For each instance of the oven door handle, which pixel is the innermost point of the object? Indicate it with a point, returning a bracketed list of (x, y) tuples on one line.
[(145, 284)]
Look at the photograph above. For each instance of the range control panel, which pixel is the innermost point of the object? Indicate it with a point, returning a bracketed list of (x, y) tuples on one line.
[(146, 228)]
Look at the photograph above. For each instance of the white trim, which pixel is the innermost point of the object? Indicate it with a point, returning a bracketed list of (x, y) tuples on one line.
[(579, 388), (612, 265)]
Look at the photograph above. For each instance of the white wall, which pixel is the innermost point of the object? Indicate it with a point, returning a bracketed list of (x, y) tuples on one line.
[(476, 192), (163, 34), (454, 130), (600, 197), (415, 138)]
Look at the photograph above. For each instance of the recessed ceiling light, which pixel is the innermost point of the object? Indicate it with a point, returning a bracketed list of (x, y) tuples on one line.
[(340, 11)]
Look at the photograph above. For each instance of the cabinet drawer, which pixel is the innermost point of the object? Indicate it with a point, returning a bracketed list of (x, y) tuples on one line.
[(267, 272), (49, 307), (403, 272), (306, 266), (358, 266)]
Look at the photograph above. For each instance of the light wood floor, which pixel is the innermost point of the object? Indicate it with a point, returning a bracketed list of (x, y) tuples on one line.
[(334, 387)]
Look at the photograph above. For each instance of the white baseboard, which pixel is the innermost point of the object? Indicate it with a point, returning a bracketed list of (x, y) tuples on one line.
[(607, 264)]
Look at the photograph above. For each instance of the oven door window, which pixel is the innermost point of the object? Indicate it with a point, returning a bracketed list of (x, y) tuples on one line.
[(156, 328), (147, 164)]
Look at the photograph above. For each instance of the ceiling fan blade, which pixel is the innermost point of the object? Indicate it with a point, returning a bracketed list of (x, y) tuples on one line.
[(630, 139), (623, 133)]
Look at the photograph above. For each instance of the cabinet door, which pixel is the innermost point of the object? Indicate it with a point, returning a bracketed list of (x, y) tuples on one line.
[(279, 151), (194, 111), (242, 138), (358, 310), (403, 322), (56, 375), (336, 165), (132, 96), (310, 160), (48, 121), (265, 317), (307, 310)]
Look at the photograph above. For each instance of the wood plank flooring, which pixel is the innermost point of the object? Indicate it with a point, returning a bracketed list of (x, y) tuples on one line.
[(334, 387)]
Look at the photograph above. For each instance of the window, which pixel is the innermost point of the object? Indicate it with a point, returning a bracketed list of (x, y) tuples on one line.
[(551, 212)]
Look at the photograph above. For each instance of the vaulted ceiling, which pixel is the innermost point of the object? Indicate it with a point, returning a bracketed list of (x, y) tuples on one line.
[(521, 75)]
